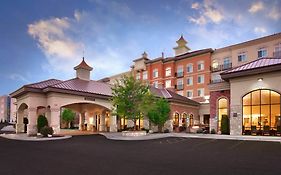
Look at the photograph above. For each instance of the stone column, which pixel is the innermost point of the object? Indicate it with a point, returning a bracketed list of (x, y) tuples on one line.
[(81, 122), (180, 120), (20, 125), (55, 120), (113, 123), (32, 121), (236, 120), (102, 123)]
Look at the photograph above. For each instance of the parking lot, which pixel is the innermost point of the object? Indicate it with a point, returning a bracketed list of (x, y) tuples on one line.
[(94, 154)]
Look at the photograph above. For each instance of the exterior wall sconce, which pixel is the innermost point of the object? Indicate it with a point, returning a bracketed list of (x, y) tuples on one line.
[(260, 79)]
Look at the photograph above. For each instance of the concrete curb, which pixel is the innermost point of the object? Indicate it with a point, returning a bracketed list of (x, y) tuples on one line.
[(118, 136), (24, 137)]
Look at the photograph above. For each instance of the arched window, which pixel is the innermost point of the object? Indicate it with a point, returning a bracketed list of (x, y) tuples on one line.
[(191, 120), (222, 110), (261, 112), (183, 119), (176, 119)]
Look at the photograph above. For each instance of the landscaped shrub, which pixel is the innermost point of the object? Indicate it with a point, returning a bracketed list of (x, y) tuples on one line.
[(224, 125), (46, 130), (200, 130), (41, 122), (213, 131)]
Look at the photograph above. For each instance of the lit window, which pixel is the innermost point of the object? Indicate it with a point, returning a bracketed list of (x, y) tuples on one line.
[(155, 73), (215, 64), (189, 68), (242, 57), (200, 92), (144, 75), (189, 81), (168, 71), (180, 71), (222, 110), (262, 52), (138, 76), (168, 83), (189, 94), (200, 79), (200, 65)]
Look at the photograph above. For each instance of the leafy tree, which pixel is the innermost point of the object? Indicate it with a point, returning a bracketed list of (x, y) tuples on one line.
[(41, 122), (68, 116), (129, 98), (159, 112)]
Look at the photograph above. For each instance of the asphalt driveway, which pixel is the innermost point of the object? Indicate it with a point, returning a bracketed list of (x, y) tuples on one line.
[(94, 154)]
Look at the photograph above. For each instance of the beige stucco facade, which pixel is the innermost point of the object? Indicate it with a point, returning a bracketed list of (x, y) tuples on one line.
[(243, 85)]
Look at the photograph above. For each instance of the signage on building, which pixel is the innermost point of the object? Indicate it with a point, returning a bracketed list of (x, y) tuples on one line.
[(89, 99)]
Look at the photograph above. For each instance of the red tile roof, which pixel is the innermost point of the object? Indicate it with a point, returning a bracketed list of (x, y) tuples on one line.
[(261, 65), (83, 65)]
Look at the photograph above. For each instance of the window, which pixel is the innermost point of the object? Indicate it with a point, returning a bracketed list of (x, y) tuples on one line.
[(262, 52), (222, 110), (200, 79), (216, 78), (242, 57), (200, 92), (168, 71), (215, 65), (168, 83), (144, 75), (189, 68), (138, 76), (200, 65), (226, 63), (179, 84), (180, 71), (261, 112), (189, 81), (277, 51), (189, 93), (155, 84), (155, 73)]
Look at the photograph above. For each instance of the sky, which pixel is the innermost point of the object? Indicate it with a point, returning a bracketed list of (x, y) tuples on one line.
[(43, 39)]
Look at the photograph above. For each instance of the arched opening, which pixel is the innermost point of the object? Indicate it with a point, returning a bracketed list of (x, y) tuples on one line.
[(191, 120), (184, 120), (222, 111), (22, 118), (176, 120), (261, 113)]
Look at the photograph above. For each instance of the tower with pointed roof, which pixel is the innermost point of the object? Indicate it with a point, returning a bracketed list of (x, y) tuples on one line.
[(181, 48), (83, 70)]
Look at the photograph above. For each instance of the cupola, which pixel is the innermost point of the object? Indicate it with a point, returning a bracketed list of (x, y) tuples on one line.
[(83, 70), (181, 48)]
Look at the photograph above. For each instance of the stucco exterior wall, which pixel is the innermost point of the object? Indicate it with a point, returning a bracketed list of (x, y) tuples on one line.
[(243, 85)]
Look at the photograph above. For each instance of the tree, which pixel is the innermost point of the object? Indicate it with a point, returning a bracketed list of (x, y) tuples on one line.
[(41, 122), (68, 116), (128, 98), (159, 112)]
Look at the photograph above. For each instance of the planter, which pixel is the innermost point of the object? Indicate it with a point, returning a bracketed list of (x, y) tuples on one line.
[(133, 133)]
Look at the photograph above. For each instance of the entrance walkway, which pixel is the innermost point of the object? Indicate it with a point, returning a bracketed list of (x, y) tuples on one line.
[(118, 136)]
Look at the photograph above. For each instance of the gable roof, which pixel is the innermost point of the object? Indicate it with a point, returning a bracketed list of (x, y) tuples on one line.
[(258, 66), (172, 96)]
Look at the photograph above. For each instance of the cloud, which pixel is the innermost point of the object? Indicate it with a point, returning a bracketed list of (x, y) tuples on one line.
[(275, 13), (18, 77), (260, 30), (208, 13), (256, 7)]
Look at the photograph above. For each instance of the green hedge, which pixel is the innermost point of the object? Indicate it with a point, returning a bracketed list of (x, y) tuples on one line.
[(225, 124), (41, 122)]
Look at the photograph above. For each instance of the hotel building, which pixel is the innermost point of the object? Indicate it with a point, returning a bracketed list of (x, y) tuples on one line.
[(245, 86), (4, 108)]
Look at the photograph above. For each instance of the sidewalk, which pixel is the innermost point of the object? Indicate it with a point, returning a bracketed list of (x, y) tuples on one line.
[(24, 137), (118, 136)]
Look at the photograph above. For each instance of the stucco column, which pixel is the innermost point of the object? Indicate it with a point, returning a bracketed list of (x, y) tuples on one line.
[(32, 121), (113, 123), (81, 121), (102, 123), (55, 120), (20, 125)]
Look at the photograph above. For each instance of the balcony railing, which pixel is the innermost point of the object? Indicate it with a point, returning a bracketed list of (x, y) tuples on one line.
[(217, 81), (179, 74), (221, 67), (179, 87), (277, 54)]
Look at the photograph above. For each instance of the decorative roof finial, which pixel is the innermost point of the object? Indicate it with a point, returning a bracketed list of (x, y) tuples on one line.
[(144, 55)]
